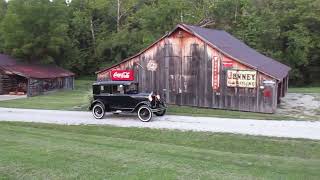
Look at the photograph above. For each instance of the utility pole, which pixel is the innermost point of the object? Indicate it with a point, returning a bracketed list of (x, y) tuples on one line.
[(118, 16), (93, 35)]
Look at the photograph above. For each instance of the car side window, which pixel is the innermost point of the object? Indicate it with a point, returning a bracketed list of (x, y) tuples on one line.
[(105, 89), (111, 89), (120, 89), (117, 89)]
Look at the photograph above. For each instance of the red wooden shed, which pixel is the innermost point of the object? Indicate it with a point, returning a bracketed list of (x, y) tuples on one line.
[(32, 79), (202, 67)]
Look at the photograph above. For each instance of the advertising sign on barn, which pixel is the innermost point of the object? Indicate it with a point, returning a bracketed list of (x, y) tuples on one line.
[(241, 78), (152, 65), (122, 75), (215, 73)]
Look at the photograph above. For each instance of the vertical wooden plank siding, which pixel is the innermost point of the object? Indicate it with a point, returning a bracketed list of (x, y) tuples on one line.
[(184, 76), (43, 86)]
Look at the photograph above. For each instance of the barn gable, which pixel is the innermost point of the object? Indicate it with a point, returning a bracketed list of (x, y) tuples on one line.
[(229, 46)]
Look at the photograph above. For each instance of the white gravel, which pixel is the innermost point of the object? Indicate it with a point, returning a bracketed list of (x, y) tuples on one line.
[(289, 129), (11, 97)]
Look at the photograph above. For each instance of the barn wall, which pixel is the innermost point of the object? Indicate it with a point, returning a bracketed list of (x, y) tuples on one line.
[(184, 76), (7, 83), (42, 86)]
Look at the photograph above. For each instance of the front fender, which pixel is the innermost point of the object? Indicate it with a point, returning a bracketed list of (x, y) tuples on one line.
[(147, 103), (95, 102)]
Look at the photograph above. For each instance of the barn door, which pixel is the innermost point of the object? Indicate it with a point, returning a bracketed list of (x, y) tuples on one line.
[(175, 88), (188, 82)]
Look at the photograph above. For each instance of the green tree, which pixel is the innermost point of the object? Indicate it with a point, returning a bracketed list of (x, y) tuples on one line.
[(36, 30), (287, 31), (3, 8)]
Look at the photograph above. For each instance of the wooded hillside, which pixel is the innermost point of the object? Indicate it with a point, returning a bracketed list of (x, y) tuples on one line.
[(85, 35)]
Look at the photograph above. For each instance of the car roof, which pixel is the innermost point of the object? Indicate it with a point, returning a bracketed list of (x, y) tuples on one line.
[(114, 83)]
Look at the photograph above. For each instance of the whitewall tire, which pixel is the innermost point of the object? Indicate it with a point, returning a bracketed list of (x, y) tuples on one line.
[(98, 111), (145, 113)]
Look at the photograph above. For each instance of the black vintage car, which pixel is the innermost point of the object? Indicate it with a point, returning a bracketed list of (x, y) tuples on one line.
[(123, 96)]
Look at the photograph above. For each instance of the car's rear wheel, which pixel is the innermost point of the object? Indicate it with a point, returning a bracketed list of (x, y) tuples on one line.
[(98, 111), (145, 113), (161, 113)]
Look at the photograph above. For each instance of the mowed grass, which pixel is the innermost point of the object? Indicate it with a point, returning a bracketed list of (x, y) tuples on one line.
[(304, 90), (44, 151), (77, 99)]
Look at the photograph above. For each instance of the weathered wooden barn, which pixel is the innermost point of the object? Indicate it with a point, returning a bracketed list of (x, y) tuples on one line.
[(31, 79), (195, 66)]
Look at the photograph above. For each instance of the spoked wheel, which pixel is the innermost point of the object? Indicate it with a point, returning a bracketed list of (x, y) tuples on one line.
[(145, 113), (161, 113), (98, 111)]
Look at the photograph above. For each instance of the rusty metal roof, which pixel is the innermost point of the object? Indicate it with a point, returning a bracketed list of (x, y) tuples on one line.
[(236, 49), (10, 66), (6, 60)]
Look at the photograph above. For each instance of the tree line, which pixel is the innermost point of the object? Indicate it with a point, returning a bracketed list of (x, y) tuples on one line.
[(85, 35)]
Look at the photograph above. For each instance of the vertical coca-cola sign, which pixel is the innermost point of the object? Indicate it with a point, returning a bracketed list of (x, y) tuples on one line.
[(215, 73), (122, 75)]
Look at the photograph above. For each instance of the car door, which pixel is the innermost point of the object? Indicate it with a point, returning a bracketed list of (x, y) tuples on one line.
[(121, 101)]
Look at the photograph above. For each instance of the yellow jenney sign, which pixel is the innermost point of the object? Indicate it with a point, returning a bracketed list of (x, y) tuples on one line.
[(241, 78)]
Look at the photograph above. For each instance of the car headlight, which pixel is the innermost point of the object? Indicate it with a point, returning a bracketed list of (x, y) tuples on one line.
[(150, 97), (158, 96)]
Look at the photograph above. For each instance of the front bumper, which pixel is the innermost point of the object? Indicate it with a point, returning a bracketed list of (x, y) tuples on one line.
[(161, 106), (158, 109)]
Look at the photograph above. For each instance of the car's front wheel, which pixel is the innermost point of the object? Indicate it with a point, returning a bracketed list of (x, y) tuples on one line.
[(98, 111), (145, 113), (161, 113)]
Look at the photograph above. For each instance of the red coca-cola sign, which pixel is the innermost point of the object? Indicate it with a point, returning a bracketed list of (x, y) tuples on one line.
[(122, 75)]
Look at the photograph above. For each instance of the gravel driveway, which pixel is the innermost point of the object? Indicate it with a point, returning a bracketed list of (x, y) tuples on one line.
[(11, 97), (290, 129)]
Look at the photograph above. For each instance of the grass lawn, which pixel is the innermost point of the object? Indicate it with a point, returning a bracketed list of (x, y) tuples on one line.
[(60, 100), (44, 151), (304, 90)]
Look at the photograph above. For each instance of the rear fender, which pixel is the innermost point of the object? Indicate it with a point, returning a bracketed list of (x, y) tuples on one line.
[(95, 102)]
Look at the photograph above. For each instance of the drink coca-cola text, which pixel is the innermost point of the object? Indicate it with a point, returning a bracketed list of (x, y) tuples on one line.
[(122, 75)]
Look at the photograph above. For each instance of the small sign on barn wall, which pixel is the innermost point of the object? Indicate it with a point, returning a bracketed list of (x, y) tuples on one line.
[(152, 65), (241, 78), (215, 73)]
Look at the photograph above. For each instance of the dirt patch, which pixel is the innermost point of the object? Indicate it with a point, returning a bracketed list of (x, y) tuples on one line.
[(301, 106)]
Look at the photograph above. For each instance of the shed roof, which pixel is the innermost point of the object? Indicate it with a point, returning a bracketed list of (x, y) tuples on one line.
[(230, 46), (10, 65), (6, 60)]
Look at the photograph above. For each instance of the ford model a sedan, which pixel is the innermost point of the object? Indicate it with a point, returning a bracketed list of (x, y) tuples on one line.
[(123, 96)]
